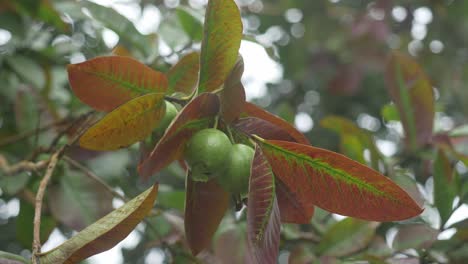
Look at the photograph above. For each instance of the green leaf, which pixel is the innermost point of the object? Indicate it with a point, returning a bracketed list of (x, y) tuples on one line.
[(415, 236), (28, 70), (24, 227), (205, 205), (337, 183), (192, 26), (196, 115), (9, 258), (12, 184), (263, 214), (346, 237), (220, 45), (389, 112), (105, 233), (78, 201), (183, 76), (127, 124), (445, 190), (105, 83), (412, 93)]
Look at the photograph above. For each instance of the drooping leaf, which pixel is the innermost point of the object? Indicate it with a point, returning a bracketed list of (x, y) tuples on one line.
[(233, 95), (127, 124), (263, 214), (414, 236), (192, 26), (412, 92), (292, 208), (196, 115), (230, 244), (255, 111), (346, 237), (221, 42), (105, 83), (105, 233), (337, 183), (183, 76), (444, 186), (262, 128), (78, 201), (129, 35), (205, 205)]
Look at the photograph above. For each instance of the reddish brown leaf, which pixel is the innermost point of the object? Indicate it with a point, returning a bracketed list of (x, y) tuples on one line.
[(412, 93), (263, 215), (183, 76), (107, 82), (262, 128), (105, 233), (255, 111), (337, 183), (233, 95), (205, 205), (196, 115), (292, 209)]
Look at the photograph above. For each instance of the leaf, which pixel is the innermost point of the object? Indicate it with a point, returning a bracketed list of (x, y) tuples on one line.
[(346, 237), (252, 110), (9, 258), (230, 244), (190, 23), (205, 205), (105, 83), (27, 113), (337, 183), (129, 35), (411, 91), (414, 236), (292, 209), (127, 124), (444, 186), (105, 233), (263, 214), (183, 76), (233, 95), (77, 201), (220, 45), (28, 70), (24, 228), (262, 128), (196, 115)]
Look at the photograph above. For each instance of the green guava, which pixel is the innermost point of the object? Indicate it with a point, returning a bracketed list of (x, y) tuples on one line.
[(171, 112), (206, 153), (235, 177)]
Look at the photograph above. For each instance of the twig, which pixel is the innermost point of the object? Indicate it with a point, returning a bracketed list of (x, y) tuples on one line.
[(95, 178), (21, 166)]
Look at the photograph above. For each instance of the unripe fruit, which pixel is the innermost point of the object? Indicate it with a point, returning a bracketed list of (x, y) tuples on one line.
[(237, 173), (206, 153), (171, 112)]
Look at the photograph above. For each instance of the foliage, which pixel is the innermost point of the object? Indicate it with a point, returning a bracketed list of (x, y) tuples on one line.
[(97, 128)]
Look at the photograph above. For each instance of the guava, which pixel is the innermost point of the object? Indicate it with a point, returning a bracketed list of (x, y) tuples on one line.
[(206, 153), (171, 112), (235, 177)]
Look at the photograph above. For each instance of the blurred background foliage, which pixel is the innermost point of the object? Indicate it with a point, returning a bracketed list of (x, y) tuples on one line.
[(324, 73)]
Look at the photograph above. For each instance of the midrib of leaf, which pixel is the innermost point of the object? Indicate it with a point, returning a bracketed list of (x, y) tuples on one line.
[(407, 109), (128, 85), (321, 166)]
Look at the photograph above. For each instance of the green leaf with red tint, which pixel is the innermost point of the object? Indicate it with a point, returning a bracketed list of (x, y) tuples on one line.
[(417, 236), (105, 233), (220, 45), (255, 111), (127, 124), (412, 92), (196, 115), (263, 214), (183, 76), (233, 95), (337, 183), (292, 209), (445, 189), (347, 237), (104, 83), (205, 205)]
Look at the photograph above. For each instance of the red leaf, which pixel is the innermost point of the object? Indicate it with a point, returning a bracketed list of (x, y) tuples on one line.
[(291, 207), (107, 82), (262, 128), (255, 111), (196, 115), (337, 183), (233, 95), (183, 76), (263, 214), (411, 90), (205, 205)]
